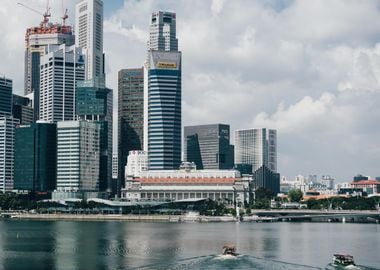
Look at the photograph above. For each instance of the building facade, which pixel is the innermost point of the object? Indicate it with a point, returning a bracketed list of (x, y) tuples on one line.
[(208, 146), (131, 114), (36, 41), (94, 104), (164, 110), (257, 147), (22, 109), (162, 34), (187, 184), (137, 163), (61, 68), (264, 177), (35, 158), (78, 156), (5, 96), (7, 130), (89, 36)]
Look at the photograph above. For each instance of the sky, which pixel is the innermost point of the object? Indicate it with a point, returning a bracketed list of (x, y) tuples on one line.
[(309, 69)]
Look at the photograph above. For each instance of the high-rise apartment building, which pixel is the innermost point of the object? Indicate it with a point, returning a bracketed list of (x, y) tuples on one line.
[(61, 68), (7, 130), (89, 36), (36, 40), (5, 96), (164, 110), (208, 146), (131, 114), (94, 104), (257, 147), (35, 158), (22, 109), (78, 156)]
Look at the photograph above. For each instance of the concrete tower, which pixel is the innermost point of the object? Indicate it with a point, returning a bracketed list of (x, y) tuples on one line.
[(89, 35)]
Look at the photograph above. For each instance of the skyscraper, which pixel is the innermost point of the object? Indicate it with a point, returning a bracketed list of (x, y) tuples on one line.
[(164, 110), (22, 109), (61, 68), (257, 147), (36, 41), (35, 158), (5, 96), (162, 37), (89, 35), (131, 114), (208, 146), (78, 156), (163, 94), (7, 130), (162, 34), (94, 103)]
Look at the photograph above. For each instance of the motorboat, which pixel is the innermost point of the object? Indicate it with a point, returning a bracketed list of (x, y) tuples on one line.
[(343, 260), (229, 250)]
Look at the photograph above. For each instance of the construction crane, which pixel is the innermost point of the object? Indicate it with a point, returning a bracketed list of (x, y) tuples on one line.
[(65, 16), (46, 15)]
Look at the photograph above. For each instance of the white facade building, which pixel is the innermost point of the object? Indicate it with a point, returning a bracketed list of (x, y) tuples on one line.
[(61, 68), (188, 183), (257, 147), (7, 135), (136, 163), (89, 35), (78, 156)]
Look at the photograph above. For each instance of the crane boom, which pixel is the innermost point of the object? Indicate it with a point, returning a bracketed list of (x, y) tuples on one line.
[(46, 15)]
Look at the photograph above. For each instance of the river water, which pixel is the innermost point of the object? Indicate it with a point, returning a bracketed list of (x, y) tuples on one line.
[(127, 245)]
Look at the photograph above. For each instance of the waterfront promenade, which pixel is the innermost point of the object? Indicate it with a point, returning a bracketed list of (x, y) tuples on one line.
[(256, 216)]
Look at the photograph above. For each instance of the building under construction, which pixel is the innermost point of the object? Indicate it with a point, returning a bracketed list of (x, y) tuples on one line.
[(36, 40)]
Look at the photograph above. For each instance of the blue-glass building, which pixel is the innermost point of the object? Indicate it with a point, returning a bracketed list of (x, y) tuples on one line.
[(164, 110), (5, 96), (35, 157), (94, 103)]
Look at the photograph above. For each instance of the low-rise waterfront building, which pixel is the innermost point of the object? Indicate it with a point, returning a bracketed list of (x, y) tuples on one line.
[(371, 187), (187, 183)]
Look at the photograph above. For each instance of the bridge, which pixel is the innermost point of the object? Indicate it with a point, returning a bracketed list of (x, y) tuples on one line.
[(344, 215)]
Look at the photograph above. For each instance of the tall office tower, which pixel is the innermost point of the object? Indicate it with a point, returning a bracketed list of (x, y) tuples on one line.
[(94, 104), (162, 37), (7, 129), (164, 110), (35, 158), (131, 115), (137, 162), (22, 109), (162, 34), (89, 35), (5, 96), (61, 68), (36, 40), (208, 146), (257, 147), (78, 156)]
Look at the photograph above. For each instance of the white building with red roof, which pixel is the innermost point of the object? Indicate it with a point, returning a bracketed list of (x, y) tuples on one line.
[(187, 183), (369, 186)]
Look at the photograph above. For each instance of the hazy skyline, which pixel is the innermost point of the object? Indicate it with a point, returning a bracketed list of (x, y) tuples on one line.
[(311, 70)]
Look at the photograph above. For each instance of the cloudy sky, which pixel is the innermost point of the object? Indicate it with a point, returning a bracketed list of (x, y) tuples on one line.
[(309, 69)]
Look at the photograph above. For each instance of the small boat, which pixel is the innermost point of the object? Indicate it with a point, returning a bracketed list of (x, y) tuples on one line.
[(343, 260), (229, 250)]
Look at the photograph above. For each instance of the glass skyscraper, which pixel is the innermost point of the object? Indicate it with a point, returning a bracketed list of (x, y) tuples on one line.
[(208, 146), (35, 157), (131, 114), (163, 94), (5, 96), (164, 110), (94, 104), (257, 147)]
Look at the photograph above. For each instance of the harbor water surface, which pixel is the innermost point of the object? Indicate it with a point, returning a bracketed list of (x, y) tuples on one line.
[(126, 245)]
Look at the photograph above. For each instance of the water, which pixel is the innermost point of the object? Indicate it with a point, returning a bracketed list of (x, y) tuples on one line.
[(126, 245)]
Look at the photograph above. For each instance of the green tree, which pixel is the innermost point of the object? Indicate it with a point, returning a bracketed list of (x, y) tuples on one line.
[(295, 195), (263, 194)]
